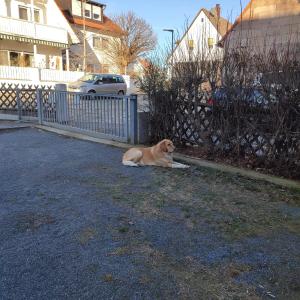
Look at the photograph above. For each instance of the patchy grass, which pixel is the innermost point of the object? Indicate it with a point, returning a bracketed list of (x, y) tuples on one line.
[(33, 221), (85, 235), (233, 205), (108, 278)]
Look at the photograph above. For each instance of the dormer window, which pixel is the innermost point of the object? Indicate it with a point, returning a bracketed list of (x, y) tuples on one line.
[(96, 13), (87, 10), (87, 13)]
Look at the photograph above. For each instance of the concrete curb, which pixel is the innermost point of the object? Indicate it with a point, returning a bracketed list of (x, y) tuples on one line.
[(9, 125), (238, 171), (83, 137), (187, 159)]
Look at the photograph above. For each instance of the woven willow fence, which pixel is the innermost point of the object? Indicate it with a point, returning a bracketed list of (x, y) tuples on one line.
[(256, 135), (255, 120)]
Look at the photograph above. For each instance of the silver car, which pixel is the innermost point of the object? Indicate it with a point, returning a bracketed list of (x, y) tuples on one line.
[(100, 83)]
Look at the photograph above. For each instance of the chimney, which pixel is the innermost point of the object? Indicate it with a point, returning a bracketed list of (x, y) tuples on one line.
[(218, 10)]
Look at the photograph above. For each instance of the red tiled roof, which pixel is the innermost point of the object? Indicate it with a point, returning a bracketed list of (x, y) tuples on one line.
[(219, 23), (237, 21), (106, 27)]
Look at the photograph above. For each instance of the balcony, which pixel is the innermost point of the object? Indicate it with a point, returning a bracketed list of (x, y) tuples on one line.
[(35, 75), (36, 31)]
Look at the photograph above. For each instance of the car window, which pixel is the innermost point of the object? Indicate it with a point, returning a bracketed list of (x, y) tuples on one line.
[(89, 78), (99, 79), (120, 79), (107, 79), (114, 79)]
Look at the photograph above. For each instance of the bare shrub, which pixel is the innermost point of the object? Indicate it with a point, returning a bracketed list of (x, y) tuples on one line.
[(242, 106), (138, 38)]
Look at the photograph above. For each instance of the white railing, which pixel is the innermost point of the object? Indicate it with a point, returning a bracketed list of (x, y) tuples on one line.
[(60, 76), (38, 75), (33, 30), (19, 73)]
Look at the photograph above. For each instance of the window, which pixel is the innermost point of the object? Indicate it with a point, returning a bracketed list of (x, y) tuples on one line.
[(36, 15), (105, 68), (120, 80), (23, 13), (97, 42), (210, 42), (107, 80), (27, 60), (18, 59), (87, 10), (104, 43), (15, 59), (191, 44), (3, 58), (202, 20), (96, 12), (87, 13)]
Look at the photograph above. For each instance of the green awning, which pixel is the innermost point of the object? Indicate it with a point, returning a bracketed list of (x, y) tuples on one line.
[(32, 40)]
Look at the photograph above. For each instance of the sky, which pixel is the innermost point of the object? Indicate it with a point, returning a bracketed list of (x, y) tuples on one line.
[(173, 14)]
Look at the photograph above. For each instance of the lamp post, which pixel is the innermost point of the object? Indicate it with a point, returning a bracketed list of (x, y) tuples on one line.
[(172, 59)]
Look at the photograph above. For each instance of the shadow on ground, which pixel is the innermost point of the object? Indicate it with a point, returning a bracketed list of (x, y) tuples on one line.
[(75, 223)]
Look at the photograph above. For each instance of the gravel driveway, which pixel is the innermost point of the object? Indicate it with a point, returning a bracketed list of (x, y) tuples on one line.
[(76, 224)]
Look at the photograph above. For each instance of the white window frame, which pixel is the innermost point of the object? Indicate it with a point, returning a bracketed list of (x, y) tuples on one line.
[(98, 10), (27, 11), (88, 8), (39, 12)]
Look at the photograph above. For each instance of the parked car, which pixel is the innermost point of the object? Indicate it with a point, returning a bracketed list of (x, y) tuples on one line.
[(100, 83), (252, 96)]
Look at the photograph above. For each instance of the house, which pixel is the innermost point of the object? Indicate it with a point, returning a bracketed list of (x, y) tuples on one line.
[(94, 30), (34, 36), (202, 35), (264, 24)]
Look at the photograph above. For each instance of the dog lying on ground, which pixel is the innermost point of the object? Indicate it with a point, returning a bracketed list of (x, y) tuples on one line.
[(158, 155)]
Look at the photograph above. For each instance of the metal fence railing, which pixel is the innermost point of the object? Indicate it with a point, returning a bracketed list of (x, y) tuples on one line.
[(106, 116)]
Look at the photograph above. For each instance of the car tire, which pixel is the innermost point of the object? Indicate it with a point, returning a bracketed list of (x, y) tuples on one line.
[(121, 93)]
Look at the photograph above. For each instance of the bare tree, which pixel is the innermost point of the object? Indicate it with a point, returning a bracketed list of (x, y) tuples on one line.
[(137, 40)]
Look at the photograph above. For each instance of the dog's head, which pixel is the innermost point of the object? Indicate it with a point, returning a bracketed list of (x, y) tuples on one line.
[(166, 146)]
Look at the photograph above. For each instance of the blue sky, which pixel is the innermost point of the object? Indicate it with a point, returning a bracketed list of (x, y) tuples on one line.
[(171, 13)]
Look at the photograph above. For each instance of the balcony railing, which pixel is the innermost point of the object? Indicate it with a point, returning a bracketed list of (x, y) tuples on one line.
[(36, 75), (37, 31)]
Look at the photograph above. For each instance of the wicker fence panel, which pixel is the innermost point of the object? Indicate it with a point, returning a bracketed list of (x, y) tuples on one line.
[(266, 136), (9, 93)]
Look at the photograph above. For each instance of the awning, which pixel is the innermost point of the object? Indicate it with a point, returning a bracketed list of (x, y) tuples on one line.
[(32, 40)]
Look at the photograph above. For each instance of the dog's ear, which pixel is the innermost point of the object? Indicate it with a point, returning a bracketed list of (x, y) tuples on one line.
[(163, 146)]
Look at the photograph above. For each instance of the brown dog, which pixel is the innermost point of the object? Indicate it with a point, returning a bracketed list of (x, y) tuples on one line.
[(158, 155)]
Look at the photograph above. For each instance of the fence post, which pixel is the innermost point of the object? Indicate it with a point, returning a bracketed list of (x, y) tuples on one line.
[(39, 100), (19, 104), (133, 119)]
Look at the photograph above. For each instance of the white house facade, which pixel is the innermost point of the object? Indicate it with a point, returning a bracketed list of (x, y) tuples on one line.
[(34, 41), (94, 30), (202, 36)]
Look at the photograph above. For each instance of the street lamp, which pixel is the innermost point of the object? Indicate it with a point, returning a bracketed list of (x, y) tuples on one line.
[(172, 32)]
